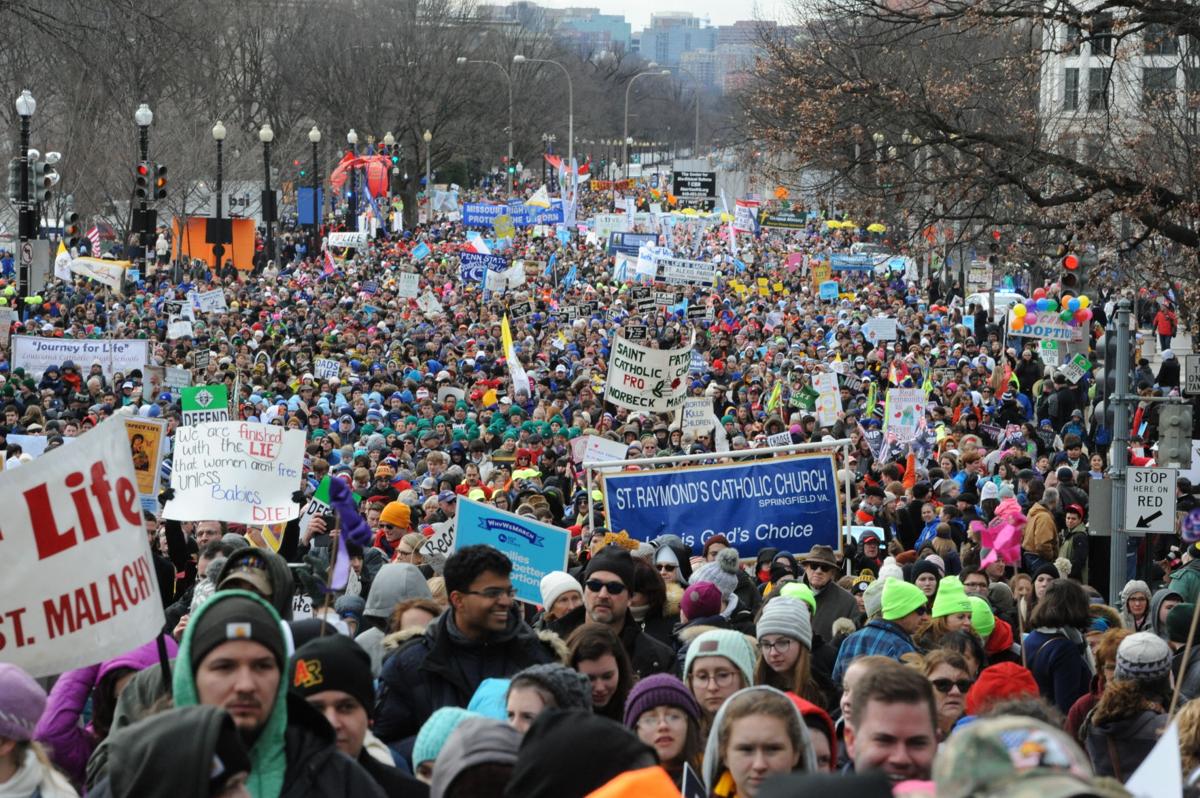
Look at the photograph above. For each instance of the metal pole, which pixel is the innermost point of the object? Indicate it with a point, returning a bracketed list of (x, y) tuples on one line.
[(144, 154), (512, 184), (1117, 565), (696, 140), (23, 211), (270, 242), (428, 178), (316, 205), (219, 249)]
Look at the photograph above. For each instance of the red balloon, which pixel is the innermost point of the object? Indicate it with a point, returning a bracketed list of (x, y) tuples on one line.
[(1039, 293)]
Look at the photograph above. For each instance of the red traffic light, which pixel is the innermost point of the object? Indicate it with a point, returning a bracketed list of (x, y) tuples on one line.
[(143, 169), (1070, 262)]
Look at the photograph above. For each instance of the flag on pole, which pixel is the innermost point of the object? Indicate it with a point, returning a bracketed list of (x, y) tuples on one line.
[(93, 236), (330, 266), (569, 280), (540, 198), (776, 393), (871, 399), (550, 264), (927, 384), (506, 339)]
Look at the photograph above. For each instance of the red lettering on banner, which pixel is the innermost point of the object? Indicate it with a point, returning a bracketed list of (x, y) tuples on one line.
[(268, 515), (97, 601), (263, 450), (52, 539), (13, 618)]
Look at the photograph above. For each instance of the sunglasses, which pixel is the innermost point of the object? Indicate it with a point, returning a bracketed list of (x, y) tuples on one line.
[(666, 568), (945, 685), (614, 588)]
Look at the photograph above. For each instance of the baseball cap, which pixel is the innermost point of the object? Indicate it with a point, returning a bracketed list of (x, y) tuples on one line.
[(250, 569)]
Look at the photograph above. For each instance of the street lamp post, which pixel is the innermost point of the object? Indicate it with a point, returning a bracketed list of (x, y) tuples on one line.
[(218, 134), (26, 106), (144, 117), (520, 59), (625, 139), (352, 205), (462, 60), (389, 145), (427, 137), (314, 137), (266, 135)]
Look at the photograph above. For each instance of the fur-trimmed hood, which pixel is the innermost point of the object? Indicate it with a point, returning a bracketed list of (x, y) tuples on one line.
[(674, 599)]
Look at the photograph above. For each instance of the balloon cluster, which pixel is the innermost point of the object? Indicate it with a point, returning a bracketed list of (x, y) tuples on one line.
[(1072, 310), (1190, 526)]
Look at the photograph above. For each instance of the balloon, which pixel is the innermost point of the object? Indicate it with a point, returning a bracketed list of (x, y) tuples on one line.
[(1073, 304), (1053, 308), (1066, 316), (1018, 324), (1084, 302), (1043, 303), (1080, 315), (1039, 293), (1019, 310), (1087, 314)]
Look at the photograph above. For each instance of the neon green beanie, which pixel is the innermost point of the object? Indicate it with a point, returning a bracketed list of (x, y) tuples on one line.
[(982, 619), (951, 598), (900, 598), (799, 590)]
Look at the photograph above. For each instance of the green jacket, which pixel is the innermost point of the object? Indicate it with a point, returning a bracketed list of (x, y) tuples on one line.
[(1186, 581)]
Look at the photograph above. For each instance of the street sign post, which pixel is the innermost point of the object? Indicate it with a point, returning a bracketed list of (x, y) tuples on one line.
[(1150, 500)]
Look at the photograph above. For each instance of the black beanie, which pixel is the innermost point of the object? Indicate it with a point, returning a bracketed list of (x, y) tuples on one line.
[(230, 616), (614, 559), (1047, 568), (333, 662)]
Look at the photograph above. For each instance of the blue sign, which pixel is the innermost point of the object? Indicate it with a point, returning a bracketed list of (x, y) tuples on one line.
[(843, 262), (791, 503), (304, 204), (535, 548), (829, 289), (481, 214), (630, 243), (473, 264)]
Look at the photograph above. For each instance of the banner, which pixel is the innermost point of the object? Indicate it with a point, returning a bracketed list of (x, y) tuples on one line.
[(845, 262), (647, 379), (678, 271), (1047, 325), (108, 272), (235, 471), (79, 582), (349, 238), (791, 503), (785, 219), (146, 438), (612, 185), (472, 265), (117, 355), (535, 548), (745, 216), (204, 403), (408, 284), (482, 214), (211, 301), (629, 243)]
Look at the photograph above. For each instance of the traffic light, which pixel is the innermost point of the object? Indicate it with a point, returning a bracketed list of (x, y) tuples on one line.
[(1071, 278), (160, 181), (71, 229), (1175, 436), (14, 180), (43, 177), (141, 181)]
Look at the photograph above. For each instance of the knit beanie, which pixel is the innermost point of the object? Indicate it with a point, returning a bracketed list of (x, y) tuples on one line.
[(788, 617), (951, 598), (570, 688), (997, 683), (900, 598), (231, 616), (435, 731), (397, 514), (555, 584), (700, 600), (726, 643), (475, 741), (613, 559), (722, 572), (659, 690), (334, 662), (1179, 622), (983, 621), (873, 598), (22, 702), (1143, 656), (1135, 586), (1048, 569), (799, 590), (890, 568), (925, 567)]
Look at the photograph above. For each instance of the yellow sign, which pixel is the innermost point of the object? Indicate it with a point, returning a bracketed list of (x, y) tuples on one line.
[(821, 272), (504, 227)]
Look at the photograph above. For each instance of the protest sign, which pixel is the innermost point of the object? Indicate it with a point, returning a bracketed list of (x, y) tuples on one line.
[(116, 355), (879, 329), (482, 214), (605, 224), (1048, 325), (745, 216), (176, 379), (179, 309), (829, 290), (647, 379), (779, 439), (678, 271), (473, 265), (106, 272), (236, 471), (154, 379), (820, 272), (1050, 352), (630, 243), (784, 219), (349, 238), (429, 305), (325, 368), (791, 503), (829, 398), (636, 332), (408, 284), (146, 437), (79, 582), (201, 358), (7, 317), (1076, 367), (904, 416), (211, 301), (204, 403), (440, 543), (698, 415), (520, 310), (534, 548), (318, 505), (179, 328), (598, 449)]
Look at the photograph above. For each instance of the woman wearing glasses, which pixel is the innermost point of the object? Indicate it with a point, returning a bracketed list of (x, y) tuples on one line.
[(718, 664), (665, 716), (784, 633), (947, 672)]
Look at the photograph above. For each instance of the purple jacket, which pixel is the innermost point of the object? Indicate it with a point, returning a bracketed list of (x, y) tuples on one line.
[(61, 729)]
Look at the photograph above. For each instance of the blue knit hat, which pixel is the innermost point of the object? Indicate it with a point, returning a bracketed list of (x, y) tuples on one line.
[(435, 731)]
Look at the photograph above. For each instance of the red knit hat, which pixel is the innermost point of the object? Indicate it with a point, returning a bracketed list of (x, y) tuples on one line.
[(998, 683), (811, 712), (1001, 638)]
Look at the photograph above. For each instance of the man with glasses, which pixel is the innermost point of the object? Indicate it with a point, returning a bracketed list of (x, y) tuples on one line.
[(606, 593), (975, 582), (903, 610), (833, 601), (481, 635)]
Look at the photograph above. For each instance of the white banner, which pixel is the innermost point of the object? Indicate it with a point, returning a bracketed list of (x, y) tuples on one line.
[(117, 355), (408, 284), (745, 216), (235, 471), (829, 397), (678, 271), (697, 415), (108, 272), (348, 238), (324, 368), (647, 379), (879, 329), (211, 301), (79, 582)]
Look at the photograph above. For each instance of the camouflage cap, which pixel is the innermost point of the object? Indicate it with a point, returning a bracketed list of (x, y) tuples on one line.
[(1014, 757)]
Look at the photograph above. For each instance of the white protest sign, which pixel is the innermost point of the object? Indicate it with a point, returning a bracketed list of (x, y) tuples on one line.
[(1161, 773), (429, 305), (114, 355), (441, 543), (604, 224), (679, 271), (107, 272), (599, 450), (879, 329), (176, 379), (7, 317), (179, 328), (348, 238), (408, 284), (325, 369), (641, 378), (1075, 368), (905, 414), (235, 471), (211, 301), (829, 397), (1051, 353), (79, 582), (779, 439), (697, 415)]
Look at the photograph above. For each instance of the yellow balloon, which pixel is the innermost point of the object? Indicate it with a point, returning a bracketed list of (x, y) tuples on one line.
[(1084, 301), (1019, 311)]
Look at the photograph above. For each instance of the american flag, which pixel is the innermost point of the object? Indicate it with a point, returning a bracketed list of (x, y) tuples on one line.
[(93, 236), (329, 263)]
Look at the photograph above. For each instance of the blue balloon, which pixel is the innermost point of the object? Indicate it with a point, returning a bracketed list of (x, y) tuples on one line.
[(1189, 528), (1073, 304), (1043, 304)]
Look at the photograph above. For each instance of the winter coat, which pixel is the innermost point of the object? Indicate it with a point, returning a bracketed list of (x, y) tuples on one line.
[(443, 668), (1041, 533), (35, 780), (1075, 549), (1059, 666), (1186, 581), (646, 654), (833, 602), (1122, 730), (878, 637)]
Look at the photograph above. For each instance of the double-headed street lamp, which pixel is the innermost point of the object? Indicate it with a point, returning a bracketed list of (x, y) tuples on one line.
[(314, 137), (520, 59), (26, 106), (218, 134), (266, 135), (462, 61)]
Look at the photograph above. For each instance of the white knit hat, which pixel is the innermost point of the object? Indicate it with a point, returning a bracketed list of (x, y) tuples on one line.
[(788, 617), (555, 583), (1143, 655)]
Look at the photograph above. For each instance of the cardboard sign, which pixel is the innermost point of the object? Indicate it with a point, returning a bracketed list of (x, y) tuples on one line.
[(201, 358), (879, 329), (535, 548), (598, 449), (235, 471), (698, 415), (408, 284), (325, 368), (636, 332), (349, 238), (679, 271), (79, 581), (179, 328), (204, 403), (146, 437), (520, 310), (211, 301), (1051, 353), (1075, 368), (779, 439), (829, 290), (647, 379)]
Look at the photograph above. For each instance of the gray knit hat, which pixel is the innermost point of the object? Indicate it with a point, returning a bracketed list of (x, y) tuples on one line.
[(873, 598), (570, 688), (721, 572), (1143, 656), (788, 617)]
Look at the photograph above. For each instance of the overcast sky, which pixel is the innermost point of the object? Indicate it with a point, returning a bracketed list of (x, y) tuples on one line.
[(719, 12)]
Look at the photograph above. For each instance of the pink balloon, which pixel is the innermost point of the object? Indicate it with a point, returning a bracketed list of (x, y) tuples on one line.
[(1081, 315)]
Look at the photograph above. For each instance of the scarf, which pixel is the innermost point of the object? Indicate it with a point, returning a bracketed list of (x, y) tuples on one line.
[(33, 776), (1075, 637)]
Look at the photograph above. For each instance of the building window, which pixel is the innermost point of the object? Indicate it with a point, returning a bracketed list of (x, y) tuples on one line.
[(1070, 89), (1071, 40), (1099, 88), (1102, 36), (1160, 40), (1191, 85), (1158, 87)]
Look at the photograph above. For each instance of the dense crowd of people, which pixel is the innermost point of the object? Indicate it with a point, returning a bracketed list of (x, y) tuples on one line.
[(914, 659)]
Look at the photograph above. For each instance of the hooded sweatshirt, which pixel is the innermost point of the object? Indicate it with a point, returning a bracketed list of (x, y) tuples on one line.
[(1156, 601), (283, 587), (396, 582), (716, 776)]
